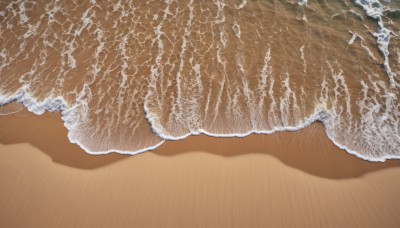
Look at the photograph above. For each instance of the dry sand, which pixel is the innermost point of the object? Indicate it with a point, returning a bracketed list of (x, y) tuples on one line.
[(297, 179)]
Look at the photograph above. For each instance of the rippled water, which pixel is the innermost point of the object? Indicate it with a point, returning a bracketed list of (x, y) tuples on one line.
[(128, 75)]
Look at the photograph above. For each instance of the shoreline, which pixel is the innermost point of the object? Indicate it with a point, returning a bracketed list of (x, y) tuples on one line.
[(314, 119), (280, 180), (305, 149)]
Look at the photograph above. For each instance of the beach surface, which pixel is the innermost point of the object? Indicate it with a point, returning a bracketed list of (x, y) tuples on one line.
[(288, 179)]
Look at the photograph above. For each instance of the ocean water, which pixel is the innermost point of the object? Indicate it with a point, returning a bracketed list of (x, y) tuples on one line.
[(128, 75)]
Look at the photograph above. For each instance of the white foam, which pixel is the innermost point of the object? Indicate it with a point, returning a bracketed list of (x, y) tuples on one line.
[(72, 116), (353, 38), (220, 18), (319, 115), (363, 45), (273, 105), (303, 59), (374, 9), (236, 29), (266, 72), (356, 14), (242, 4), (283, 113), (302, 2)]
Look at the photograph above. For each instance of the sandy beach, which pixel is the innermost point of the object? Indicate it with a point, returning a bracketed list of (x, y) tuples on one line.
[(128, 75), (288, 179)]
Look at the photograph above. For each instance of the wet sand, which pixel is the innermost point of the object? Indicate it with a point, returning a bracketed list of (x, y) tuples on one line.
[(288, 179)]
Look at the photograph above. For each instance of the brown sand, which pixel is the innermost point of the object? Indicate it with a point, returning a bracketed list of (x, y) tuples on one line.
[(297, 179)]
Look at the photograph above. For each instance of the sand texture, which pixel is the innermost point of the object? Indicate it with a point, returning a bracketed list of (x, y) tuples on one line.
[(297, 179)]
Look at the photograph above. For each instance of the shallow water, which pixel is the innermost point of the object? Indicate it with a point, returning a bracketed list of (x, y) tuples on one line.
[(127, 75)]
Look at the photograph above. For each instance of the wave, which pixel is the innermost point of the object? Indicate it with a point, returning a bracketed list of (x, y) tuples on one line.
[(127, 76)]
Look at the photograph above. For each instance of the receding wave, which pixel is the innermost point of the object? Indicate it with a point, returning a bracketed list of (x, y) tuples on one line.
[(127, 75)]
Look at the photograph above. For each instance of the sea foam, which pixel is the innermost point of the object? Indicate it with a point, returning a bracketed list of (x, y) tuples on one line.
[(221, 68)]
